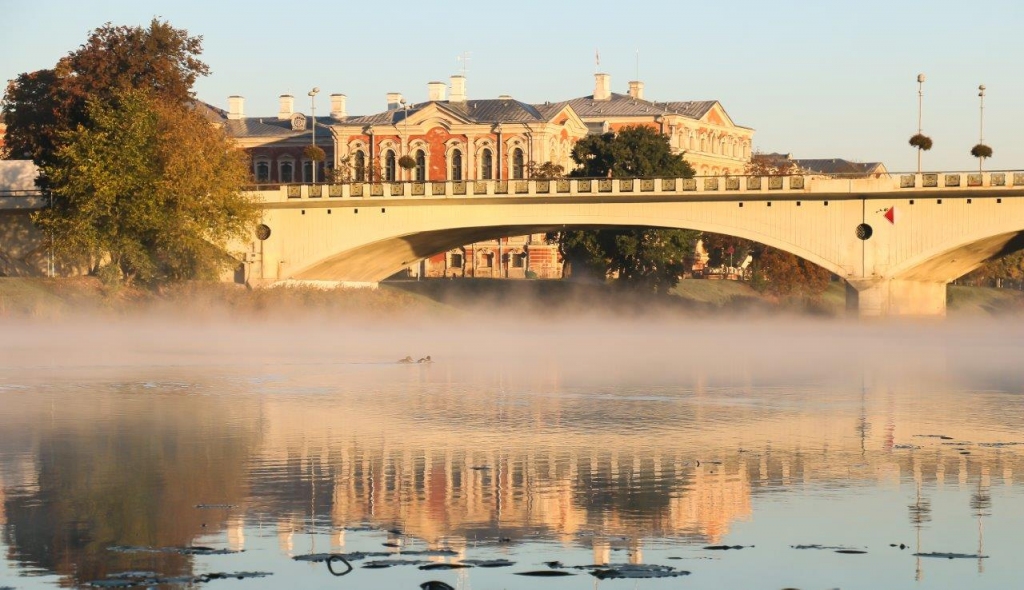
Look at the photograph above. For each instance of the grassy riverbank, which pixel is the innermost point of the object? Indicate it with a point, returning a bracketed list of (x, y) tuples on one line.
[(63, 298)]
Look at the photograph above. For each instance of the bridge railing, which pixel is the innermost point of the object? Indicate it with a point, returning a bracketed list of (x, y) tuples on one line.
[(22, 199), (706, 186)]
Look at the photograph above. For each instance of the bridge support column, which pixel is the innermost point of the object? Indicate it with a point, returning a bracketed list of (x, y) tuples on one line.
[(896, 297)]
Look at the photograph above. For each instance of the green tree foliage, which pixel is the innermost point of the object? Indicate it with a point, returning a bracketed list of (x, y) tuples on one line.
[(645, 258), (148, 189), (41, 107)]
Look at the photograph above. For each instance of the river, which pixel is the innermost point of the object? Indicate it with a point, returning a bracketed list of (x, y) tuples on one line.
[(750, 454)]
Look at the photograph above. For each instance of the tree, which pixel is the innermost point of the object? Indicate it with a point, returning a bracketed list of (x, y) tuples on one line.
[(147, 190), (546, 171), (645, 258), (41, 107)]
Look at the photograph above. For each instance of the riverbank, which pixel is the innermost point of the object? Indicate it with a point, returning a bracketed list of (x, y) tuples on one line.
[(51, 299)]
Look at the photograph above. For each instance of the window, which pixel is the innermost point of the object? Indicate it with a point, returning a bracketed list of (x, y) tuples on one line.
[(518, 163), (287, 172), (360, 166), (486, 165), (262, 171), (456, 164), (456, 260), (421, 166), (389, 166), (307, 171), (518, 260)]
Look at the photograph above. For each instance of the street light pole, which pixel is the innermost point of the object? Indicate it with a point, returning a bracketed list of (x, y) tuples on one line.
[(981, 123), (920, 101), (312, 99)]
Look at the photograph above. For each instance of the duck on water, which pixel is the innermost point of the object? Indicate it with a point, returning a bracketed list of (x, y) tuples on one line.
[(408, 360)]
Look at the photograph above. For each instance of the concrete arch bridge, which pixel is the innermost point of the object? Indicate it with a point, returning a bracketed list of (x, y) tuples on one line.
[(896, 240)]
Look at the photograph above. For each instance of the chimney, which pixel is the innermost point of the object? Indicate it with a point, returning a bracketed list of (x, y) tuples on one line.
[(236, 107), (602, 87), (394, 100), (636, 89), (338, 106), (287, 108), (458, 89), (435, 90)]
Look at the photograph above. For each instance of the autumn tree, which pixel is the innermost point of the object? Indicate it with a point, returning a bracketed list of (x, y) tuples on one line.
[(646, 258), (147, 190), (42, 107)]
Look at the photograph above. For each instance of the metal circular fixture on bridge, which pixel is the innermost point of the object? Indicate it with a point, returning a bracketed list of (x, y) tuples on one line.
[(864, 231), (262, 232)]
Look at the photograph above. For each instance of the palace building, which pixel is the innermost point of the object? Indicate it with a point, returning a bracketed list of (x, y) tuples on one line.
[(453, 137)]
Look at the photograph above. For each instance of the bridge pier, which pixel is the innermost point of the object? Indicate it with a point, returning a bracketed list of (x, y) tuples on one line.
[(896, 297)]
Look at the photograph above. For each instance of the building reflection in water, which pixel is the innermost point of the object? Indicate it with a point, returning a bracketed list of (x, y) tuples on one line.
[(452, 467)]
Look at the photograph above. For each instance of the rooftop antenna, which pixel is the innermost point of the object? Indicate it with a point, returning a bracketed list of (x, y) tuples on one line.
[(463, 61)]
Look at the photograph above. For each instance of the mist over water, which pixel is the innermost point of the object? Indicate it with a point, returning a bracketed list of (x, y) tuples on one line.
[(588, 439)]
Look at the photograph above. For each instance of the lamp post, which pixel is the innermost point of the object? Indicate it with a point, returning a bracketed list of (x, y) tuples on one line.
[(312, 100), (405, 124), (981, 123), (920, 101)]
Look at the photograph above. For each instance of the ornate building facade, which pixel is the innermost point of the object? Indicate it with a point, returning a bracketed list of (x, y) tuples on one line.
[(451, 137)]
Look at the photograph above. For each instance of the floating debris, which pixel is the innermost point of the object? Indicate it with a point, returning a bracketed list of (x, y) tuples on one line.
[(546, 573), (236, 575), (354, 556), (726, 547), (939, 436), (444, 566), (554, 564), (480, 468), (638, 571), (489, 562), (904, 447), (214, 506), (391, 563), (999, 444), (951, 555), (900, 545), (435, 585), (835, 548), (850, 551), (391, 544), (131, 579)]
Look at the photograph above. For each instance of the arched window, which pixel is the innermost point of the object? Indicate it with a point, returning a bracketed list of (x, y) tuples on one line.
[(456, 164), (389, 166), (421, 166), (287, 172), (518, 163), (262, 171), (360, 167), (486, 165)]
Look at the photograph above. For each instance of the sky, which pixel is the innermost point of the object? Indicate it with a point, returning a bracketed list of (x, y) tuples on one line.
[(813, 78)]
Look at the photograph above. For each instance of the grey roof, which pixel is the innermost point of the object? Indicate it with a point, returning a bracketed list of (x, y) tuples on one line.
[(623, 105), (835, 166), (255, 126), (496, 110)]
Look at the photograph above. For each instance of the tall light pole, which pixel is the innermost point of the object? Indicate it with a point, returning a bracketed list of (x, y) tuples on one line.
[(312, 100), (981, 123), (920, 102)]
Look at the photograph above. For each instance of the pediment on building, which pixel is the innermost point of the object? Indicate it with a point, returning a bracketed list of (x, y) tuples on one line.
[(434, 114), (716, 115), (570, 120)]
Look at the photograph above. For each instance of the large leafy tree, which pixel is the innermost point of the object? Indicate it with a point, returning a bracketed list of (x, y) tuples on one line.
[(144, 187), (150, 187), (41, 107), (645, 258)]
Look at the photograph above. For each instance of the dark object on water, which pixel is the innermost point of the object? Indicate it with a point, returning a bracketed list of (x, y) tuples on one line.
[(444, 566), (554, 564), (850, 551), (546, 573), (435, 585), (406, 360), (489, 562), (330, 565), (637, 571), (425, 359), (951, 555), (724, 547)]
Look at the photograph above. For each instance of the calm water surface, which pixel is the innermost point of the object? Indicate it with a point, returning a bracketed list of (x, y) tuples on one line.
[(122, 446)]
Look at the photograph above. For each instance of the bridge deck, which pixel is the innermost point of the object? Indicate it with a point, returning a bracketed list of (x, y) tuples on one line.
[(955, 184)]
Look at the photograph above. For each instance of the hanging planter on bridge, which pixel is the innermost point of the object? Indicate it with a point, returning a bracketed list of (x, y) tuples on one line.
[(921, 142), (981, 151)]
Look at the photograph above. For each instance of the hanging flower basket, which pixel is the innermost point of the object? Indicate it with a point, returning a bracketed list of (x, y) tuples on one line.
[(921, 142), (407, 162), (981, 151), (314, 153)]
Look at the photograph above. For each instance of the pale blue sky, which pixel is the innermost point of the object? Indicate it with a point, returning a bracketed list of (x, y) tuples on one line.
[(816, 78)]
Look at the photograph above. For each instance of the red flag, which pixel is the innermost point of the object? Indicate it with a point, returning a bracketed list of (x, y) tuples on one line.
[(891, 215)]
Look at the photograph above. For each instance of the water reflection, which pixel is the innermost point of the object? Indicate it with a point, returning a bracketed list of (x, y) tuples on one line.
[(622, 461)]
